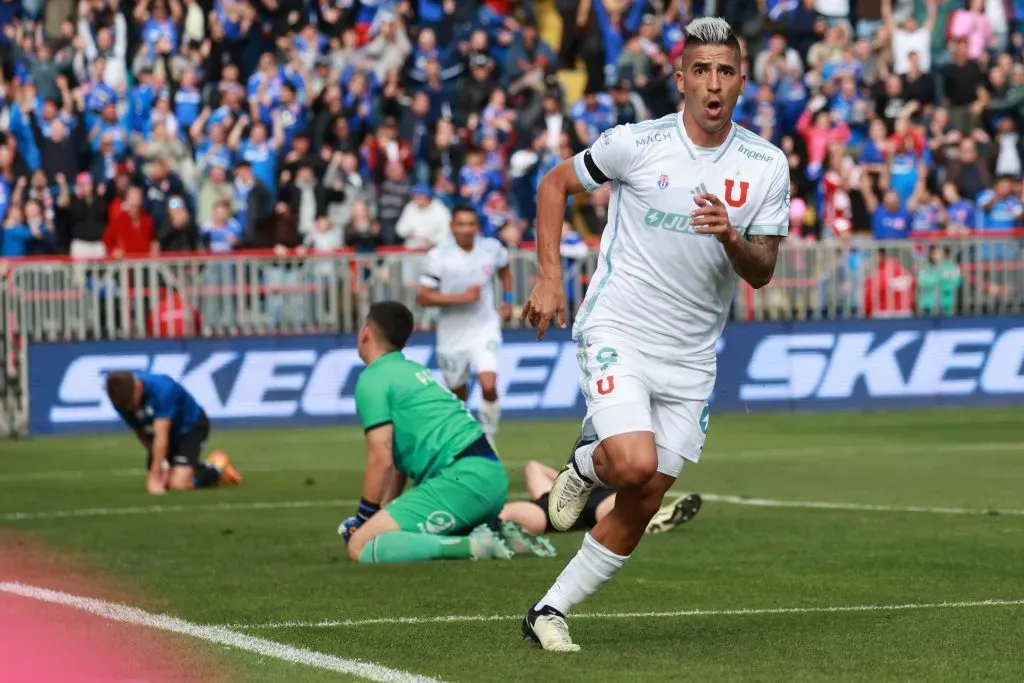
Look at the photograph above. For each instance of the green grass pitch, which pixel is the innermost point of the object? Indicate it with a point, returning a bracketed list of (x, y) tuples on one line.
[(249, 566)]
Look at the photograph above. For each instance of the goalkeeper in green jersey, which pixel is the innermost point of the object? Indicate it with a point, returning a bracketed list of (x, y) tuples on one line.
[(416, 429)]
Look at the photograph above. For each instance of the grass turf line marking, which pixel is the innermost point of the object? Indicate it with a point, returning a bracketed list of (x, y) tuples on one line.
[(474, 618), (164, 509), (215, 634), (299, 504), (300, 469), (860, 507)]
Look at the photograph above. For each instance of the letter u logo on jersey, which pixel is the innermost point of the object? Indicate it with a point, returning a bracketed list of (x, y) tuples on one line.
[(730, 186), (606, 385)]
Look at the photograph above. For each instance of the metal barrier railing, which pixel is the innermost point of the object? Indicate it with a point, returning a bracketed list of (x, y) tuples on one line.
[(255, 293)]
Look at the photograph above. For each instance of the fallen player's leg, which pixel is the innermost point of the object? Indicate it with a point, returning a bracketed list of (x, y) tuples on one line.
[(443, 517)]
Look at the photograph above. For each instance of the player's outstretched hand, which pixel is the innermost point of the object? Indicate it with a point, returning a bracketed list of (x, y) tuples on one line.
[(711, 218), (155, 485), (547, 300)]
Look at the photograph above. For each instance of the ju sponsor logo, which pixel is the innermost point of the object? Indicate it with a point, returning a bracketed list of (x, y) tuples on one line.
[(672, 222)]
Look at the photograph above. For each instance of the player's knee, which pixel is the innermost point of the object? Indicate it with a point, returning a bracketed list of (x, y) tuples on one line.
[(630, 463), (356, 545)]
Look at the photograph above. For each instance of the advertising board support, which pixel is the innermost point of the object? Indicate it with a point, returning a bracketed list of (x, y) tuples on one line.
[(13, 403)]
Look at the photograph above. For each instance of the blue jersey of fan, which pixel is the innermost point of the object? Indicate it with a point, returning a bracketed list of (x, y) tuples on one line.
[(163, 398)]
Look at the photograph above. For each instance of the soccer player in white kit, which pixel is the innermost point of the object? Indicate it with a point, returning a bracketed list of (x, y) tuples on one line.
[(697, 200), (458, 277)]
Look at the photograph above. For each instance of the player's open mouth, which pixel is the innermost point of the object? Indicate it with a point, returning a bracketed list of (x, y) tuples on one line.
[(713, 107)]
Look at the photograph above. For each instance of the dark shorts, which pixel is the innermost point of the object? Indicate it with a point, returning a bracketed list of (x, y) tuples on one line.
[(186, 449), (588, 518)]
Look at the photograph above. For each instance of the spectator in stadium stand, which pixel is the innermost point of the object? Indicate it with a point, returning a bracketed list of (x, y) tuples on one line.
[(425, 222), (252, 200), (960, 212), (889, 220), (919, 85), (889, 289), (928, 213), (161, 184), (307, 199), (592, 115), (362, 232), (1008, 145), (908, 36), (1000, 208), (177, 231), (214, 187), (18, 238), (938, 283), (818, 128), (395, 192), (131, 232), (82, 218), (969, 170), (963, 84), (220, 234)]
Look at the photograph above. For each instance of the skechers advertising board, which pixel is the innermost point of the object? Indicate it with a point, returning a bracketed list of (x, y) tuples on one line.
[(838, 365)]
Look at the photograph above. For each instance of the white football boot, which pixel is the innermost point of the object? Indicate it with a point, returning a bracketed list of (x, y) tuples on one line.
[(569, 493), (546, 627)]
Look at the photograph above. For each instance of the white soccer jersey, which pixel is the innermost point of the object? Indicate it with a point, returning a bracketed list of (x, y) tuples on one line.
[(657, 281), (451, 270)]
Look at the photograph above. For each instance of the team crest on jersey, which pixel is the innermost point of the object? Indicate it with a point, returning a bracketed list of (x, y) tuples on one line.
[(731, 193), (662, 181), (488, 271)]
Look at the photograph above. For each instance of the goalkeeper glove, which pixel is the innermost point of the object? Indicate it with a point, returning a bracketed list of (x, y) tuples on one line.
[(349, 526)]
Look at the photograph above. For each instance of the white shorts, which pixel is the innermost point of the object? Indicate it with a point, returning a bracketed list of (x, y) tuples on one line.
[(629, 391), (481, 355)]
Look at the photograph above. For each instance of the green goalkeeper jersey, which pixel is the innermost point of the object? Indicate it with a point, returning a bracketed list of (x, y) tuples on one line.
[(431, 424)]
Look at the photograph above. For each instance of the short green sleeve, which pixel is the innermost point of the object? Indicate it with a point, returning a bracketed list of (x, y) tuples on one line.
[(373, 400)]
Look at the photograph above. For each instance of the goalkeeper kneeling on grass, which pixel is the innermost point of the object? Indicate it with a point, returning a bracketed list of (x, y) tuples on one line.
[(417, 429)]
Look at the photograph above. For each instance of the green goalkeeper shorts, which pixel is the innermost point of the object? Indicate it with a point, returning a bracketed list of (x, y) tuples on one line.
[(469, 492)]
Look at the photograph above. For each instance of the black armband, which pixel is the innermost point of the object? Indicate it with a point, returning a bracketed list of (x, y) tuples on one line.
[(597, 174)]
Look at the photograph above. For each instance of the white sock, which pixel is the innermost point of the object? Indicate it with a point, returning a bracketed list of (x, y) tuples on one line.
[(489, 413), (584, 458), (586, 572)]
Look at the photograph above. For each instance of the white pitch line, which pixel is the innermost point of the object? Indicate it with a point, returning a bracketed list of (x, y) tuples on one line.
[(140, 472), (165, 509), (216, 634), (475, 618), (967, 447), (299, 504), (861, 507)]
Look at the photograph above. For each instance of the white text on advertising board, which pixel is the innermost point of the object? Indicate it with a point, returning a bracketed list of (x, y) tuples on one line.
[(955, 362)]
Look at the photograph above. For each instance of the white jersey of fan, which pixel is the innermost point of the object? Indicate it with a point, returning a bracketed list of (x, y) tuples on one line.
[(468, 335), (659, 298)]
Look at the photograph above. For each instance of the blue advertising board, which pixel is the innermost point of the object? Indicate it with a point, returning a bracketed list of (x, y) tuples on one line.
[(836, 365)]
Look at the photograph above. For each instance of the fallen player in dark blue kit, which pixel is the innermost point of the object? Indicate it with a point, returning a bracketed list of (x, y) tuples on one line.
[(173, 429)]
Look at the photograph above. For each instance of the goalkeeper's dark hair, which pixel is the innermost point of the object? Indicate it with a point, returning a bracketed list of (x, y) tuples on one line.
[(711, 31), (121, 389), (393, 322)]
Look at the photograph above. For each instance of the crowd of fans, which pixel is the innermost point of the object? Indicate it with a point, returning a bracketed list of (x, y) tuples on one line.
[(184, 125)]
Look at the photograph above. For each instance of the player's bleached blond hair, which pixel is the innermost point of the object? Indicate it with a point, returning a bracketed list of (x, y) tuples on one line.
[(710, 31)]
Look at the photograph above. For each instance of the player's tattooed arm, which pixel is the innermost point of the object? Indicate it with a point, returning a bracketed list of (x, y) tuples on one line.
[(753, 258)]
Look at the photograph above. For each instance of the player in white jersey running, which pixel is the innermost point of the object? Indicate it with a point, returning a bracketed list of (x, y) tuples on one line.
[(697, 200), (458, 278)]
